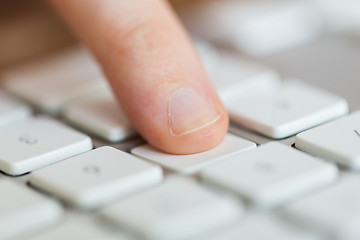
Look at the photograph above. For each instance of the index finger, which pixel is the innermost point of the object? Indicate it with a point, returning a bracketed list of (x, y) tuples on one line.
[(153, 70)]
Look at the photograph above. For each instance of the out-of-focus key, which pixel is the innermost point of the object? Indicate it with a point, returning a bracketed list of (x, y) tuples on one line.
[(49, 83), (291, 109), (101, 116), (338, 141), (80, 227), (178, 209), (257, 227), (37, 143), (335, 210), (234, 76), (255, 27), (271, 174), (95, 178), (189, 164), (12, 110), (339, 15), (24, 211)]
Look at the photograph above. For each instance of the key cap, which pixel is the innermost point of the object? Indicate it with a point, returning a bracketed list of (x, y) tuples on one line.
[(189, 164), (98, 177), (234, 76), (80, 227), (339, 16), (101, 116), (271, 175), (257, 227), (177, 209), (335, 210), (291, 109), (49, 83), (338, 141), (38, 143), (12, 110), (255, 27), (24, 211)]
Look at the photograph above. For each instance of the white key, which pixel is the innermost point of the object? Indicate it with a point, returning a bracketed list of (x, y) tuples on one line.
[(338, 141), (49, 83), (234, 76), (271, 175), (98, 177), (189, 164), (178, 209), (101, 116), (339, 15), (257, 227), (256, 27), (24, 211), (291, 109), (12, 110), (335, 210), (80, 227), (38, 143)]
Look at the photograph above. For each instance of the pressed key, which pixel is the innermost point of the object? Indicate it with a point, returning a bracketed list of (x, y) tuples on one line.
[(178, 209), (338, 141), (288, 110), (335, 210), (189, 164), (25, 211), (50, 83), (101, 116), (12, 110), (37, 143), (98, 177), (271, 175)]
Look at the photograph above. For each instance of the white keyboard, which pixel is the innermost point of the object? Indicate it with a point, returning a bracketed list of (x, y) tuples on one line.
[(73, 167)]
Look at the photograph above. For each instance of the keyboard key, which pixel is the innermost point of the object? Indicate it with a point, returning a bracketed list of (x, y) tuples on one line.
[(78, 226), (12, 110), (98, 177), (338, 141), (50, 83), (255, 27), (237, 77), (339, 15), (189, 164), (177, 209), (335, 210), (271, 175), (257, 227), (24, 211), (101, 116), (38, 143), (234, 76), (291, 109)]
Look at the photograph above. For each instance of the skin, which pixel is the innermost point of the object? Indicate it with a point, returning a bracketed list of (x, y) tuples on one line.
[(146, 55)]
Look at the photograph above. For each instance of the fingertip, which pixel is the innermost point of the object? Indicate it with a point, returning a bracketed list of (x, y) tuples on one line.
[(201, 133)]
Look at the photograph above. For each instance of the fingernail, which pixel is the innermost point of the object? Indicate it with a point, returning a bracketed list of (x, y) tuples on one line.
[(189, 112)]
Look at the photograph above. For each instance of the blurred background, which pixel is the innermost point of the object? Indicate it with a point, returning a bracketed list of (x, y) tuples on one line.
[(315, 40)]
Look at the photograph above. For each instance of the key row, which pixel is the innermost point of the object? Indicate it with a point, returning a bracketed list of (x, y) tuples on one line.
[(42, 141), (165, 212), (253, 94)]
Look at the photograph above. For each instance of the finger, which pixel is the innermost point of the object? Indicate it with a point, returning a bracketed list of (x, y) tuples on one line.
[(153, 70)]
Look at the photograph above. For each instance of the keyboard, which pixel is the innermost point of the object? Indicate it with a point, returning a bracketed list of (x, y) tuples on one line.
[(73, 167)]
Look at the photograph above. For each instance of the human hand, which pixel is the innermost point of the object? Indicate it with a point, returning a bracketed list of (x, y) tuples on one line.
[(153, 69)]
